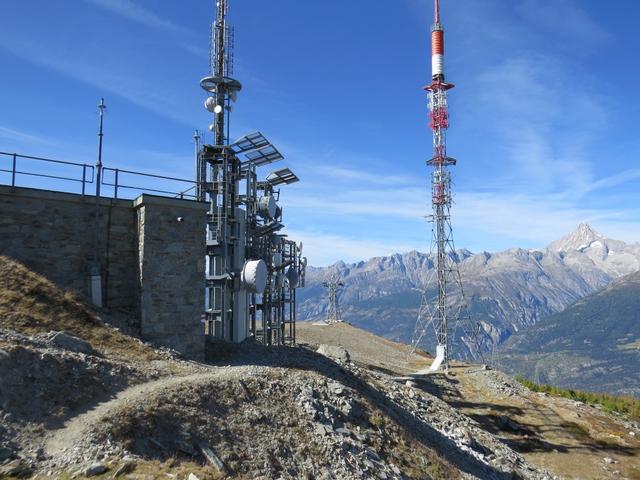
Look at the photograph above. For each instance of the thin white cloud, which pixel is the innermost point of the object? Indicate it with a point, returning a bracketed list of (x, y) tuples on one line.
[(135, 90), (614, 180), (324, 249), (20, 137), (360, 176), (535, 221), (408, 203), (564, 18), (134, 12)]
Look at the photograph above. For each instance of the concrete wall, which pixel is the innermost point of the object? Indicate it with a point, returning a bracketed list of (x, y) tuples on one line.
[(153, 265)]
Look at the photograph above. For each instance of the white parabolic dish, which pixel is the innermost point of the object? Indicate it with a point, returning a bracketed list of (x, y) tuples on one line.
[(254, 275), (267, 207)]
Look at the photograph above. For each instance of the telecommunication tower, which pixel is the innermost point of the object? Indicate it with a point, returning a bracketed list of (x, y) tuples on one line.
[(252, 269), (440, 313), (333, 284)]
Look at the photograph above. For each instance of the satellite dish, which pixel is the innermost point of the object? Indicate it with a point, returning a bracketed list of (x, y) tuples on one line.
[(210, 104), (267, 207), (254, 275), (212, 127), (217, 109)]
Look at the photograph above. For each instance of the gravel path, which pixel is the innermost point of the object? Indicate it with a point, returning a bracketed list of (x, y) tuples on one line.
[(76, 427)]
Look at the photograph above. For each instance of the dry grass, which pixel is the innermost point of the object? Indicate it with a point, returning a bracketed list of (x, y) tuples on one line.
[(31, 304), (365, 347)]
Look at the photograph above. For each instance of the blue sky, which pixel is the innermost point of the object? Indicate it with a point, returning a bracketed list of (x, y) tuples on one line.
[(544, 116)]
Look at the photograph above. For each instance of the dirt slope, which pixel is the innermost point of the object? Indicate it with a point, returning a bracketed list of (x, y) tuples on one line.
[(568, 438), (75, 408), (30, 304), (364, 347)]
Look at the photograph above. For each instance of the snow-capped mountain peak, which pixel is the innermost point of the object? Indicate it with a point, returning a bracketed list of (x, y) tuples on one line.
[(579, 240)]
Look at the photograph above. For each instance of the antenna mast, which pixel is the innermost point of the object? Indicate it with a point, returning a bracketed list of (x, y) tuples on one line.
[(333, 285), (252, 269), (446, 258)]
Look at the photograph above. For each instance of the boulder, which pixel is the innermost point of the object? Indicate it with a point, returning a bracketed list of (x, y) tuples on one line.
[(69, 342), (334, 352), (97, 468)]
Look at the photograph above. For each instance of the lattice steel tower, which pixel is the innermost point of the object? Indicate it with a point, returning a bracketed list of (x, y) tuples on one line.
[(333, 285), (446, 259), (252, 268)]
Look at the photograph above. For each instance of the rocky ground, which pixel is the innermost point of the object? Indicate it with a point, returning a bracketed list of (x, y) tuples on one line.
[(79, 399), (264, 414), (568, 438)]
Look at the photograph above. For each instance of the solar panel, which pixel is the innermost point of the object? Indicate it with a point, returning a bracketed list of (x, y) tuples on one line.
[(282, 177), (249, 142), (263, 156)]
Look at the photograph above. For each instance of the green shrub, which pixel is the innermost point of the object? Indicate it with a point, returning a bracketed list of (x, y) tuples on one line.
[(611, 403)]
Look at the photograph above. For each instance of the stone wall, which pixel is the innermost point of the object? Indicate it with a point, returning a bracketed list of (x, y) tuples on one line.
[(171, 269), (152, 264)]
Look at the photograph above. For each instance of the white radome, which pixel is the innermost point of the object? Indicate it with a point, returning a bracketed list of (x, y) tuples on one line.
[(254, 275), (210, 104), (267, 207)]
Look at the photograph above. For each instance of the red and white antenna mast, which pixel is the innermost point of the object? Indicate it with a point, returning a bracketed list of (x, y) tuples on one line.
[(446, 259)]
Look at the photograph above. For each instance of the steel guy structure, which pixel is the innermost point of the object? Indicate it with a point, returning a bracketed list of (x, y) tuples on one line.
[(252, 269), (442, 315), (333, 285)]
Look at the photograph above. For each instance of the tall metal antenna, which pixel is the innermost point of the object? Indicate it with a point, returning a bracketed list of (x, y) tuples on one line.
[(333, 284), (200, 169), (219, 84), (95, 275), (446, 258), (252, 271)]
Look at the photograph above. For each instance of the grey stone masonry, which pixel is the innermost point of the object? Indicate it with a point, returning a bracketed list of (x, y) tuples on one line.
[(152, 264), (171, 271)]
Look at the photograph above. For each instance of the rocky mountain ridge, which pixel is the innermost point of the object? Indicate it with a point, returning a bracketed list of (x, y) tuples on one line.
[(506, 291), (592, 345)]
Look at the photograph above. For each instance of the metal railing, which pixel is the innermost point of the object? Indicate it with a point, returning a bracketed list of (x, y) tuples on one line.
[(15, 171), (112, 177), (117, 184)]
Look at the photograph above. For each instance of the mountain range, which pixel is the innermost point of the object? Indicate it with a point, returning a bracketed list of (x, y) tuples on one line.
[(592, 345), (506, 292)]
